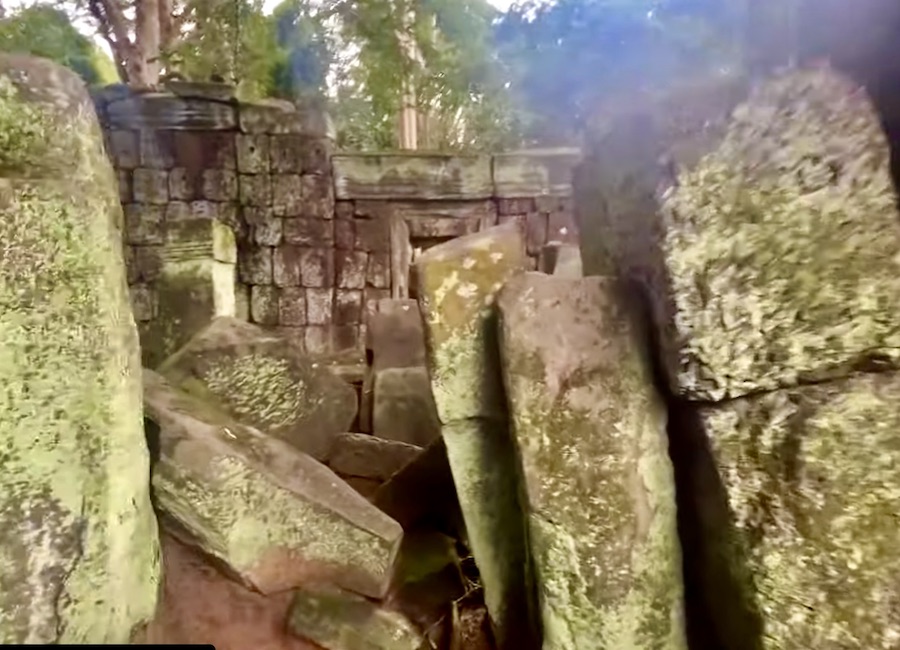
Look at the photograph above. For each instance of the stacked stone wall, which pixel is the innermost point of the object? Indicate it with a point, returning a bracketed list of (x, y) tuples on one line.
[(313, 240)]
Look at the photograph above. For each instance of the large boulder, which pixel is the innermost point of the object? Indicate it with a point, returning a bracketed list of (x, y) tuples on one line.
[(458, 283), (275, 517), (79, 554), (767, 238), (265, 381), (794, 496), (591, 430)]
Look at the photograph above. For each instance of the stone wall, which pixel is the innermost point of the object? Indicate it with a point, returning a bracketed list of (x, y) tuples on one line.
[(240, 209)]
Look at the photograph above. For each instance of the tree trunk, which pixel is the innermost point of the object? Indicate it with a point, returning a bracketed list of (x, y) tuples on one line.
[(136, 46)]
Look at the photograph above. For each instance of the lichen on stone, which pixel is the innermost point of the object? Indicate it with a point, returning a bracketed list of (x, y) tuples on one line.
[(591, 433), (812, 484), (781, 245), (80, 556)]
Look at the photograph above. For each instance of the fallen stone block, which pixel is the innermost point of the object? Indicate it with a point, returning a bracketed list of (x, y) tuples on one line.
[(422, 493), (561, 259), (395, 334), (591, 431), (79, 553), (794, 498), (403, 406), (274, 516), (340, 621), (264, 381), (367, 456), (770, 251), (457, 285)]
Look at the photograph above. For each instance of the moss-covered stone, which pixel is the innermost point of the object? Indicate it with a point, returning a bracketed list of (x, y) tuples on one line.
[(79, 555), (276, 517), (457, 285), (339, 621), (403, 406), (778, 247), (798, 493), (591, 430), (262, 380)]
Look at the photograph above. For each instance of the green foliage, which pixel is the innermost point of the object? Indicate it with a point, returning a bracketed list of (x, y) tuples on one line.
[(229, 39), (46, 31)]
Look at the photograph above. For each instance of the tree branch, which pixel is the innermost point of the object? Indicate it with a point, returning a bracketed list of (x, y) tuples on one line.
[(113, 27)]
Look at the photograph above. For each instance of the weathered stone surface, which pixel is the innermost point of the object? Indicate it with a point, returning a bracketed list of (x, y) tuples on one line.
[(275, 517), (79, 555), (367, 456), (261, 379), (422, 493), (161, 111), (537, 172), (560, 259), (412, 176), (340, 621), (457, 285), (396, 335), (591, 431), (403, 406), (797, 494), (192, 292), (774, 260)]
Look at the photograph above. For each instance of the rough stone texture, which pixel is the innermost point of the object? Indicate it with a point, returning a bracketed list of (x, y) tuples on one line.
[(264, 381), (776, 260), (366, 456), (341, 621), (457, 285), (560, 259), (534, 172), (797, 494), (422, 493), (403, 406), (79, 555), (276, 517), (416, 176), (591, 431), (396, 337)]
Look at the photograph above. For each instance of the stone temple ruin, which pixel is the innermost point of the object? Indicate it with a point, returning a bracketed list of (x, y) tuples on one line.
[(640, 397)]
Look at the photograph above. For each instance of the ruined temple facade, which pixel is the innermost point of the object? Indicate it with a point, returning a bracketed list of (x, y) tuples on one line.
[(241, 209)]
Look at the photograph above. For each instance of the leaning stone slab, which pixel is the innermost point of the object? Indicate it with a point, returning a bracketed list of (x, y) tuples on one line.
[(276, 517), (797, 494), (79, 553), (561, 259), (264, 381), (591, 430), (403, 406), (366, 456), (778, 248), (457, 285), (339, 621)]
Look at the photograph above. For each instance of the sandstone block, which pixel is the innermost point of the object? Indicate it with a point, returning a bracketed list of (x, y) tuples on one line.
[(310, 233), (344, 234), (255, 265), (264, 305), (258, 377), (317, 267), (560, 259), (795, 495), (225, 483), (340, 621), (591, 431), (351, 269), (199, 150), (192, 292), (156, 148), (124, 149), (255, 189), (396, 335), (535, 173), (319, 305), (378, 270), (292, 307), (416, 176), (252, 154), (144, 224), (367, 456), (286, 266), (219, 185), (403, 406), (316, 157), (286, 153), (348, 307), (144, 303), (287, 195), (80, 553), (372, 235), (770, 260), (536, 224), (150, 185), (318, 196), (457, 285)]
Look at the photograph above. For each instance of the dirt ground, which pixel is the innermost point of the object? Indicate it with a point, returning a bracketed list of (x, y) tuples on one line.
[(200, 605)]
